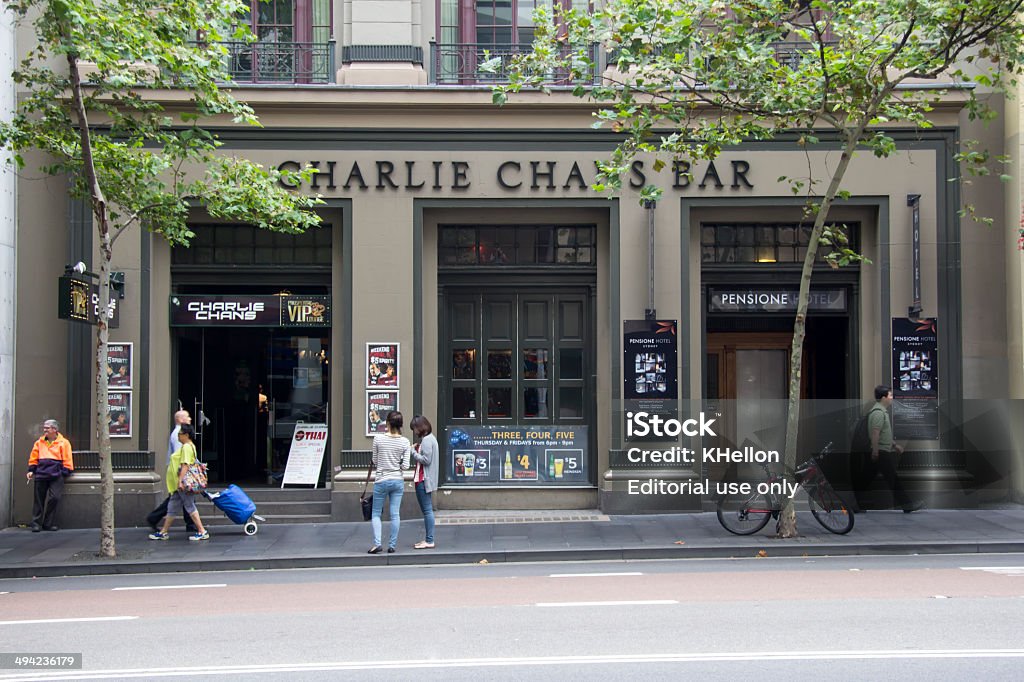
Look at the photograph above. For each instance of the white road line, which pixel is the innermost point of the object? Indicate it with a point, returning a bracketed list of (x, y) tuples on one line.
[(599, 659), (592, 575), (67, 620), (1000, 570), (647, 602), (169, 587)]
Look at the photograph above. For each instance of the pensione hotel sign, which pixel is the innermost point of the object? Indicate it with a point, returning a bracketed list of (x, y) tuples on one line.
[(437, 176)]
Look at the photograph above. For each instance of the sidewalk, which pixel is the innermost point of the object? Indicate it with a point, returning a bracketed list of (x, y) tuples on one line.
[(470, 540)]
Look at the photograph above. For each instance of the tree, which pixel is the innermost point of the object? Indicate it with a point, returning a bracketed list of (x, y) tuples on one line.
[(91, 103), (689, 78)]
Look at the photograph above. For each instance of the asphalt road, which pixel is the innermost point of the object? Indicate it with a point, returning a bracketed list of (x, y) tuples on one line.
[(953, 617)]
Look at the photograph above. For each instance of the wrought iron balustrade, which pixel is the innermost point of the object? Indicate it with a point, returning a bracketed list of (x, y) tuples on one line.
[(280, 62), (459, 63)]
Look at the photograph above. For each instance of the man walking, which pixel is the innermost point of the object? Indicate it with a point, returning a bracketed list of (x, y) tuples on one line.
[(48, 465), (156, 516), (884, 450)]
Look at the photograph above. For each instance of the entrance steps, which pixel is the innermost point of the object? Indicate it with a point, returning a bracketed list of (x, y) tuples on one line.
[(276, 505)]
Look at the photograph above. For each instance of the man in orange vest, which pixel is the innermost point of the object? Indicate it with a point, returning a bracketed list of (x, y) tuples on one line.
[(48, 465)]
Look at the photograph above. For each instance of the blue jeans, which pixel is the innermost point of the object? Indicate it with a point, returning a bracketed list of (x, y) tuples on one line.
[(427, 507), (393, 489)]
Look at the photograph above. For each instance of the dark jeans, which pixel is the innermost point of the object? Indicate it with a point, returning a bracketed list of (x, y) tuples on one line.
[(157, 515), (48, 492), (887, 464), (427, 507)]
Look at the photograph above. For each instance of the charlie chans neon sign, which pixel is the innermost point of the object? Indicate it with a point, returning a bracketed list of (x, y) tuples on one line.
[(509, 175)]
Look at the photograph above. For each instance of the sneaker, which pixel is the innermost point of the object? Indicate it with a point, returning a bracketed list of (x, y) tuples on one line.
[(205, 535), (159, 536)]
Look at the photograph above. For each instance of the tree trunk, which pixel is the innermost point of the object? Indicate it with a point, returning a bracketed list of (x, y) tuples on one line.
[(107, 545), (787, 520), (101, 414)]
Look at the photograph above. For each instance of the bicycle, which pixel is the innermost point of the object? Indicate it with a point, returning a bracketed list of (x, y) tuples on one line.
[(745, 514)]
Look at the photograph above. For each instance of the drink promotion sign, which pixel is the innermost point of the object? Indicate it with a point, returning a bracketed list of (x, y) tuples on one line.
[(517, 455), (306, 455), (915, 379)]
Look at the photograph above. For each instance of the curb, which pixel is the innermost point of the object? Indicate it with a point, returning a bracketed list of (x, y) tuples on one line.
[(507, 556)]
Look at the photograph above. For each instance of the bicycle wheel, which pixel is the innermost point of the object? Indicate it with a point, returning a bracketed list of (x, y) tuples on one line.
[(744, 514), (830, 511)]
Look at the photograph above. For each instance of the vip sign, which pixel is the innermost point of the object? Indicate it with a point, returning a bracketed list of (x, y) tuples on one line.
[(306, 311)]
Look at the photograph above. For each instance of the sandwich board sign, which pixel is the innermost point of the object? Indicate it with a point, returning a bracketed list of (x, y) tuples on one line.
[(309, 441)]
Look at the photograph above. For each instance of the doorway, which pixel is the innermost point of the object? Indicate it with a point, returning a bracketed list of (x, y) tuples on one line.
[(747, 371), (246, 389)]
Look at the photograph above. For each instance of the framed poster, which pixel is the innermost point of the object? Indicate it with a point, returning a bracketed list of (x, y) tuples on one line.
[(378, 405), (382, 365), (119, 365), (915, 378), (119, 406)]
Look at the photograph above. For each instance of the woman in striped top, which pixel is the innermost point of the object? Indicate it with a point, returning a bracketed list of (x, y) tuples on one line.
[(391, 452)]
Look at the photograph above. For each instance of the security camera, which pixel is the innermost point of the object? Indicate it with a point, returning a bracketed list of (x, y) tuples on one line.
[(79, 267)]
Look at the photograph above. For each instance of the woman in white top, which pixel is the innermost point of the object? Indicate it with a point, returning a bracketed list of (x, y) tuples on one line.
[(391, 452)]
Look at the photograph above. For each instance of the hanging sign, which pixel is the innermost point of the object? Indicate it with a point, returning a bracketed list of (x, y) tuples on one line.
[(915, 379), (306, 455), (79, 301)]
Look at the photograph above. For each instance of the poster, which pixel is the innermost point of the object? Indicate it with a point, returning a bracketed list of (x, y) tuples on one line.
[(306, 455), (378, 405), (915, 379), (517, 455), (650, 349), (119, 365), (382, 365), (119, 406)]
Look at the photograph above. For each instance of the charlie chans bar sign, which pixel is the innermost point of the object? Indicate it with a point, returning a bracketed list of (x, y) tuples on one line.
[(388, 175), (226, 310)]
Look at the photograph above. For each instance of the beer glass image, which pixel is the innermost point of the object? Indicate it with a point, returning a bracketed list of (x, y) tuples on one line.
[(470, 461), (559, 467)]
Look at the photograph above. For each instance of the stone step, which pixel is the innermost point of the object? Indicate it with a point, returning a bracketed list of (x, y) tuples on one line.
[(276, 509), (264, 494), (218, 520)]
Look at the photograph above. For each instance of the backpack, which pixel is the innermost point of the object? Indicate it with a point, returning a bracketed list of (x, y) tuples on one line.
[(860, 440)]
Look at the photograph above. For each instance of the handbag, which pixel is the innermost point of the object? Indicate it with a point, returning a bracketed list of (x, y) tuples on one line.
[(195, 478), (366, 503)]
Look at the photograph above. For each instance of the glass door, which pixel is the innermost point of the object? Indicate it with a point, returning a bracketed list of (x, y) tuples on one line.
[(297, 391)]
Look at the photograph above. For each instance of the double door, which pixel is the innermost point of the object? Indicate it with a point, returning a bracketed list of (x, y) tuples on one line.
[(517, 356)]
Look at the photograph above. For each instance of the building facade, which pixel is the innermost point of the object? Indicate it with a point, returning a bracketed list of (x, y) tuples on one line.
[(464, 270)]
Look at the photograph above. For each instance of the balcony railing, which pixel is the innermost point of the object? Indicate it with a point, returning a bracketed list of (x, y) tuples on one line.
[(459, 63), (280, 62)]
